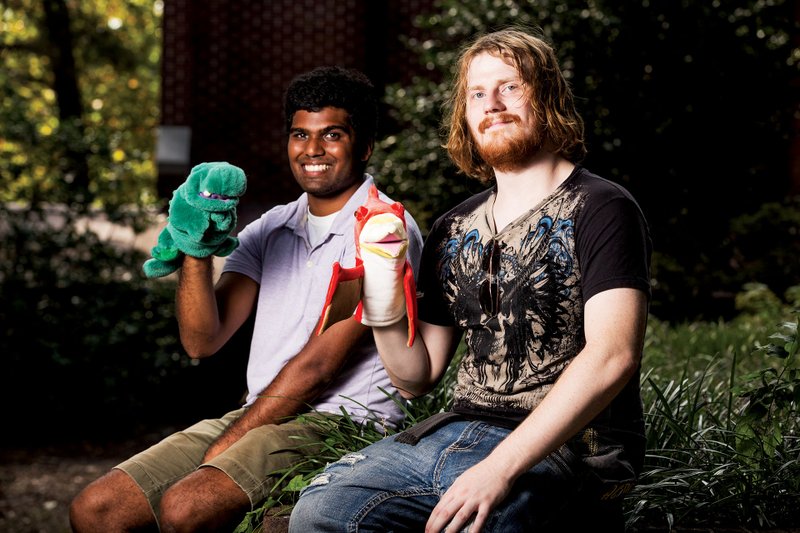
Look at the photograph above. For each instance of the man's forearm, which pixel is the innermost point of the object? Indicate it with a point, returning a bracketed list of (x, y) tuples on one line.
[(306, 375), (415, 370), (408, 368), (298, 383), (196, 307), (615, 325)]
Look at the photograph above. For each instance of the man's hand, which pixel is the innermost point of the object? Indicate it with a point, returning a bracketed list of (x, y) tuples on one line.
[(472, 497)]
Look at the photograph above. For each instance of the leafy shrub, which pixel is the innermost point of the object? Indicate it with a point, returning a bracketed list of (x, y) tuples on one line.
[(758, 246), (723, 421), (90, 344)]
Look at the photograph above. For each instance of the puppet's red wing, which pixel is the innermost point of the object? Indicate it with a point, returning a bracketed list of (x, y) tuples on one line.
[(344, 294), (410, 289)]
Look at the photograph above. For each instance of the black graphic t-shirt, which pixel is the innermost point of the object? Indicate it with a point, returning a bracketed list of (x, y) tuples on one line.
[(519, 294)]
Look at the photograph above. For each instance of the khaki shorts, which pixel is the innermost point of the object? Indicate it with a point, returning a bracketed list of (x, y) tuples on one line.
[(253, 462)]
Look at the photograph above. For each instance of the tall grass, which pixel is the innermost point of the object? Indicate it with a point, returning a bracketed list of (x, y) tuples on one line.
[(722, 422)]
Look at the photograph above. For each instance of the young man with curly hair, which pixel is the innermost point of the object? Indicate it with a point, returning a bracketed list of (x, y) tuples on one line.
[(205, 477)]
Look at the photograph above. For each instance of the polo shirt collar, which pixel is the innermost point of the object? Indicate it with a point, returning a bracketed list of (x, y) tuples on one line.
[(343, 221)]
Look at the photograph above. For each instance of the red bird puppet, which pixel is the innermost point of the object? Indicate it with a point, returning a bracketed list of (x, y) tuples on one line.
[(377, 299)]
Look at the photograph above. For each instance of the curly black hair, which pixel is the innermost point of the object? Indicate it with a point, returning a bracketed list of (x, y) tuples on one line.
[(334, 86)]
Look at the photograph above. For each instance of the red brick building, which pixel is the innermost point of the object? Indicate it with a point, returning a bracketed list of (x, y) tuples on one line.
[(226, 64)]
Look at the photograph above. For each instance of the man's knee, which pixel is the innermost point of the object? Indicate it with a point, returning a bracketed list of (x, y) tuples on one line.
[(313, 510), (112, 499), (305, 515), (205, 500), (88, 507), (177, 512)]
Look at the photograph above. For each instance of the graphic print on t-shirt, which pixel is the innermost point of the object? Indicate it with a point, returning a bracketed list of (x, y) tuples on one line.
[(514, 295), (519, 294)]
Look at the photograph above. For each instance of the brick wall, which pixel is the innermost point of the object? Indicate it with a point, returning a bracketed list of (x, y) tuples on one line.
[(227, 63)]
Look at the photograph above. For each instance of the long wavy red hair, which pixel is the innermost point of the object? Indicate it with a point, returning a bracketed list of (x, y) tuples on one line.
[(548, 91)]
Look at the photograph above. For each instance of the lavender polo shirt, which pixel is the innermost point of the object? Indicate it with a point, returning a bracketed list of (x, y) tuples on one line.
[(293, 276)]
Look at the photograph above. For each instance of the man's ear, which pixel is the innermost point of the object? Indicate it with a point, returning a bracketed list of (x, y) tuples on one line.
[(367, 151)]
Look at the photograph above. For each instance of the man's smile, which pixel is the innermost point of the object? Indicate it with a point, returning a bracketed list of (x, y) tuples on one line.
[(498, 121), (316, 167)]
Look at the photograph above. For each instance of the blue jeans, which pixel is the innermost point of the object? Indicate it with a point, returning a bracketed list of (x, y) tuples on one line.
[(392, 486)]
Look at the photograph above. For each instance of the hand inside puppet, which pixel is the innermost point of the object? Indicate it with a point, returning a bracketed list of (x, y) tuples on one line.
[(380, 288), (202, 214)]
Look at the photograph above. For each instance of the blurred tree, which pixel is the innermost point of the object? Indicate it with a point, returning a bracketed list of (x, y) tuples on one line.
[(687, 104), (79, 102), (68, 97)]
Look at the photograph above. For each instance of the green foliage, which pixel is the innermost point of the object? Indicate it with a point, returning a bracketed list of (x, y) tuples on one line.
[(117, 51), (764, 246), (85, 336), (760, 246), (723, 421), (655, 83), (773, 398)]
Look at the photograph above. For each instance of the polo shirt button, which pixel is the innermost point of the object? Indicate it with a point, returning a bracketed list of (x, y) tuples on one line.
[(309, 264)]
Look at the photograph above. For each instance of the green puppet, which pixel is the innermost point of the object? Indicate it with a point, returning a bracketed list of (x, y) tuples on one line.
[(202, 214)]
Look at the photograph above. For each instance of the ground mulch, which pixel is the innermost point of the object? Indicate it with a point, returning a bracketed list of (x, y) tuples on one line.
[(38, 482)]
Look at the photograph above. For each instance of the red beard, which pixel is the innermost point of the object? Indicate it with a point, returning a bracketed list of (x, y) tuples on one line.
[(508, 151)]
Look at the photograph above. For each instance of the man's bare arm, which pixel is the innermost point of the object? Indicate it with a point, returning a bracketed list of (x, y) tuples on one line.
[(208, 316), (298, 383), (417, 369)]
